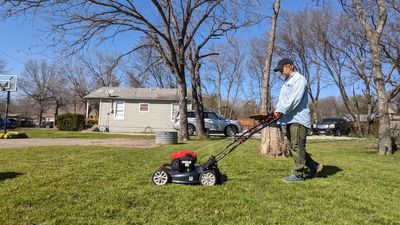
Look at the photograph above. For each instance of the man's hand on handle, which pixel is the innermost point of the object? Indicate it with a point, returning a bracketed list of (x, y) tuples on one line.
[(277, 115)]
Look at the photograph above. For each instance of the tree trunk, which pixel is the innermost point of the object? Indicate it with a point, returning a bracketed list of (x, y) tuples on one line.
[(56, 113), (40, 116), (272, 140), (198, 99), (219, 97), (373, 36), (385, 140), (314, 116), (183, 123)]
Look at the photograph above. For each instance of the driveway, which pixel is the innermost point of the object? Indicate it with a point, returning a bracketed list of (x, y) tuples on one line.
[(112, 142)]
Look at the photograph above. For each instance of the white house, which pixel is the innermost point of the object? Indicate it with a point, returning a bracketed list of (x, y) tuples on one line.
[(136, 109)]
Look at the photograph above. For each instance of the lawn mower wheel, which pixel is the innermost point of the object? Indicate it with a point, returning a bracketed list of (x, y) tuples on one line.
[(161, 177)]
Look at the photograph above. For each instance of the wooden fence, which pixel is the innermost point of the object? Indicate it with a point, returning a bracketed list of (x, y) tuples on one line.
[(247, 123)]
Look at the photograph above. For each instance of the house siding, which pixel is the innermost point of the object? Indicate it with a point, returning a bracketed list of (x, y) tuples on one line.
[(158, 117)]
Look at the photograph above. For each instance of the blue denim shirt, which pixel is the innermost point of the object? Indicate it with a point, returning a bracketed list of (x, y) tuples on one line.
[(293, 101)]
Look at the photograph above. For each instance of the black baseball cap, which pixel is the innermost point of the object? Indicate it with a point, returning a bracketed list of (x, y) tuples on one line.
[(283, 62)]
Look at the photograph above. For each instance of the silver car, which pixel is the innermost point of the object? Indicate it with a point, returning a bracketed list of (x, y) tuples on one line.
[(214, 122)]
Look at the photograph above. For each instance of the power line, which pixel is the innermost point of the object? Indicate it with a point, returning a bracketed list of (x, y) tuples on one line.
[(12, 57)]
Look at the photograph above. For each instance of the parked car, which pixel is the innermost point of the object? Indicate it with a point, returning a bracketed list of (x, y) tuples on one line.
[(332, 126), (48, 124), (214, 122), (11, 123)]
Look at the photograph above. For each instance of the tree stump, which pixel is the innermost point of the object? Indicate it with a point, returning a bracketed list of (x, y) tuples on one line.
[(273, 142)]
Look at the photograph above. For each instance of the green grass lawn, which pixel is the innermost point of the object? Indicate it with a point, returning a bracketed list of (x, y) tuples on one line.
[(55, 133), (103, 185)]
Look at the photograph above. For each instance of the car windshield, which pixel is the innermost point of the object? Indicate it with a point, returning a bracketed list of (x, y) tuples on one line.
[(212, 115), (191, 115)]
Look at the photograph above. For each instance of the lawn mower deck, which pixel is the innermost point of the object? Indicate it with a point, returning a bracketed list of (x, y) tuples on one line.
[(182, 169)]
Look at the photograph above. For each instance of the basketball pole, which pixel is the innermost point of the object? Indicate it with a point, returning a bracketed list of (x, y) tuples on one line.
[(7, 103)]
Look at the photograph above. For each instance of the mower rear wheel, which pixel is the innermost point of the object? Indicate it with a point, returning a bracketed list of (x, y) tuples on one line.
[(208, 178), (161, 177)]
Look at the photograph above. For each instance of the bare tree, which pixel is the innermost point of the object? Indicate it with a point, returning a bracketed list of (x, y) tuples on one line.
[(328, 50), (104, 69), (35, 84), (194, 69), (296, 39), (272, 140), (255, 68), (356, 53), (226, 76), (373, 34), (59, 89), (170, 25), (329, 107), (81, 84), (2, 66), (148, 70), (217, 28), (390, 45)]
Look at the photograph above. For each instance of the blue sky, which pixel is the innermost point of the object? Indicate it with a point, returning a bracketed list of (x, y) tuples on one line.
[(22, 39)]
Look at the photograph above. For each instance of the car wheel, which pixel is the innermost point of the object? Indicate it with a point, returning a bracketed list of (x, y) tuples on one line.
[(160, 177), (191, 129), (337, 132), (208, 178), (230, 131)]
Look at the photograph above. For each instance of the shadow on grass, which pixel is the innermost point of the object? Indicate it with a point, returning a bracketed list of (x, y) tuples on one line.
[(223, 179), (395, 147), (9, 175), (329, 170)]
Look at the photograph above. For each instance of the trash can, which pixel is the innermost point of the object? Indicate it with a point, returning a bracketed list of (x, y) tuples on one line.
[(166, 137)]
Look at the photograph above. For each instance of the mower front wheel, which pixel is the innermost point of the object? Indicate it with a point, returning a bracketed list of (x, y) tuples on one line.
[(160, 177), (208, 178)]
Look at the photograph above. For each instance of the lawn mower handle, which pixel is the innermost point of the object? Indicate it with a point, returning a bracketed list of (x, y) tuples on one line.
[(238, 141)]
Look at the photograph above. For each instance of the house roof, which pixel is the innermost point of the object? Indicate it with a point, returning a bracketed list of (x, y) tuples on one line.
[(134, 93)]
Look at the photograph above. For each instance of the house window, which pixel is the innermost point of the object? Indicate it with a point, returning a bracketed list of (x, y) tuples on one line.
[(144, 107), (119, 110)]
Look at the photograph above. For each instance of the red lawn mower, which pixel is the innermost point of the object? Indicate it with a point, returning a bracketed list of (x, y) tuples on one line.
[(182, 169)]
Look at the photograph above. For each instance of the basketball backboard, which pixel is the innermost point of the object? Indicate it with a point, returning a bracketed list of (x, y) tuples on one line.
[(8, 83)]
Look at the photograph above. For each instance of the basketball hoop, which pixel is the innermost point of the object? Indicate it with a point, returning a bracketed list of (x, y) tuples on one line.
[(8, 83)]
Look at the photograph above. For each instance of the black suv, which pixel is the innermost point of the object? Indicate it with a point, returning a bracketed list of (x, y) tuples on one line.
[(11, 123), (333, 126)]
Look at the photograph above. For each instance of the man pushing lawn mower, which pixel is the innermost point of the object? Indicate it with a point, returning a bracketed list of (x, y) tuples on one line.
[(292, 111)]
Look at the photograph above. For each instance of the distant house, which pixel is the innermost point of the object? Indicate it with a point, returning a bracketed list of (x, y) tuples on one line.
[(363, 117), (136, 109)]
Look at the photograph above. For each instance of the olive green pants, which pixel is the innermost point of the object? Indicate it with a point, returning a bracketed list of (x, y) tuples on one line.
[(297, 135)]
